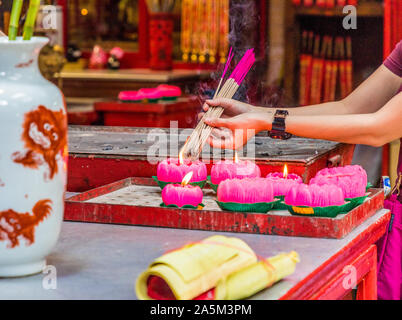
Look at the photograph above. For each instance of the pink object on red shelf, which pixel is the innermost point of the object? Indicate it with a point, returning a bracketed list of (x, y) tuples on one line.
[(229, 169), (141, 95), (315, 196), (170, 170), (98, 58), (179, 195), (246, 191), (149, 94), (117, 52), (161, 92), (129, 96), (169, 91)]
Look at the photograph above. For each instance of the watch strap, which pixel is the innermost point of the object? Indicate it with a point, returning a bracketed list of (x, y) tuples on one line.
[(279, 126)]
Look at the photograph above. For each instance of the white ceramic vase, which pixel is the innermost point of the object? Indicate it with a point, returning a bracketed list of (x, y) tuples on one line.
[(33, 159)]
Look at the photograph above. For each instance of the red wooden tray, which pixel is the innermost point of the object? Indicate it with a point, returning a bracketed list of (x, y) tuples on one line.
[(131, 202)]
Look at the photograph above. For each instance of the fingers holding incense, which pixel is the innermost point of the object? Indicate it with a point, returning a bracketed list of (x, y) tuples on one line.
[(196, 141)]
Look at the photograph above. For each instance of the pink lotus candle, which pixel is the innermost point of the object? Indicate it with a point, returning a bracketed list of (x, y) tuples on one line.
[(284, 182), (351, 179), (174, 170), (248, 190), (315, 196), (182, 194), (234, 169)]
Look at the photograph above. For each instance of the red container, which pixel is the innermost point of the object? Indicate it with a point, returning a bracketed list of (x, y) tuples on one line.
[(156, 115), (161, 41)]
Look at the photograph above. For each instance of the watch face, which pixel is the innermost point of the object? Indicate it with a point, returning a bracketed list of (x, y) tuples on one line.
[(278, 126), (281, 113)]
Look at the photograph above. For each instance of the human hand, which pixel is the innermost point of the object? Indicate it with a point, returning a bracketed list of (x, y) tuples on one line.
[(231, 107), (234, 133)]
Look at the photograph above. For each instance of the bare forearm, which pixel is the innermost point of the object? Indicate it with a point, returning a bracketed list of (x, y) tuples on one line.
[(353, 129), (369, 97), (329, 108), (373, 129)]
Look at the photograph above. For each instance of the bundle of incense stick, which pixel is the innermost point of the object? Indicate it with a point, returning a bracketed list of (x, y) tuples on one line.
[(306, 67), (195, 143), (349, 66), (328, 69)]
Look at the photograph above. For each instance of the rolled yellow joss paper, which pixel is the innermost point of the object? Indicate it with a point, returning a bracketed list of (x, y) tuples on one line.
[(197, 268), (259, 276)]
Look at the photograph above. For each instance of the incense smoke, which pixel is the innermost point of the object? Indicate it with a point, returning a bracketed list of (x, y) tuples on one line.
[(244, 21), (243, 34)]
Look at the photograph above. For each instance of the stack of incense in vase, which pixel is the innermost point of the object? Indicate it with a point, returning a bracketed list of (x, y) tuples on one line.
[(159, 6), (346, 66), (329, 4), (29, 21), (193, 147), (204, 30), (322, 68), (306, 63), (318, 71)]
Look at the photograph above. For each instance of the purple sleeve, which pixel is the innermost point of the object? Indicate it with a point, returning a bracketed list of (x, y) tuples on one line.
[(394, 61)]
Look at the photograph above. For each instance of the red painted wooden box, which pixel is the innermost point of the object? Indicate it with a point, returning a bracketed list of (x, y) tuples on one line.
[(158, 115)]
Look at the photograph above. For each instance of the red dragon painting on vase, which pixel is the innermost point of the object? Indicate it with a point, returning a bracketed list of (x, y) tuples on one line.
[(15, 225), (44, 136)]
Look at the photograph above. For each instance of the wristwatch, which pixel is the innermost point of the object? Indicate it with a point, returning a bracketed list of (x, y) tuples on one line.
[(279, 127)]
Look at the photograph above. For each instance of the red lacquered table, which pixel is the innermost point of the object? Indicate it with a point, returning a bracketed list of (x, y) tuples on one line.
[(95, 260), (100, 156), (352, 262)]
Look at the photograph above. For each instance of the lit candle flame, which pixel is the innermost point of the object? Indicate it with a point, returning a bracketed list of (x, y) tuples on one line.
[(285, 171), (181, 158), (187, 179), (236, 157)]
